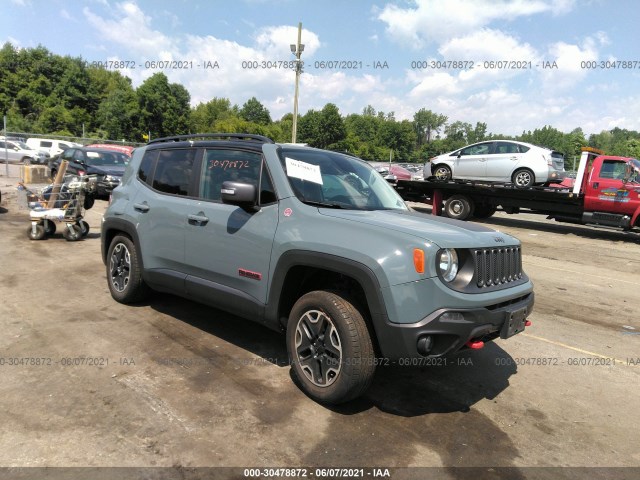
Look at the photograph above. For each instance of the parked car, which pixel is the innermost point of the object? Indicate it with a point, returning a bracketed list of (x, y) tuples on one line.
[(51, 146), (521, 163), (391, 172), (108, 165), (314, 244), (126, 149), (19, 152)]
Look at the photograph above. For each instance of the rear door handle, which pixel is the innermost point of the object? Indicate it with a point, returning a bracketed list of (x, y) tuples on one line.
[(514, 158), (198, 219), (141, 207)]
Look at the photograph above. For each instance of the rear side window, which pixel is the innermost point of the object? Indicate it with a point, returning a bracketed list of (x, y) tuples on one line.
[(174, 171), (146, 165), (44, 143), (506, 147), (222, 165)]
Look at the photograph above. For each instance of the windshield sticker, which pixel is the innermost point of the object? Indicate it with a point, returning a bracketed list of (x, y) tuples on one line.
[(303, 170), (93, 155)]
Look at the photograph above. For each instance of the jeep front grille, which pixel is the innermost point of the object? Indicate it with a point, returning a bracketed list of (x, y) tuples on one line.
[(496, 266)]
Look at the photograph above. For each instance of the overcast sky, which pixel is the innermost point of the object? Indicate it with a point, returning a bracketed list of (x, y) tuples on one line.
[(568, 36)]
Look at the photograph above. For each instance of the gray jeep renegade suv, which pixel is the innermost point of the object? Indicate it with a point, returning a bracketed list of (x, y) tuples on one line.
[(312, 243)]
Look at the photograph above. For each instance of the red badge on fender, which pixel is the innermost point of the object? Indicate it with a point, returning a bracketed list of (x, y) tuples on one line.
[(287, 212)]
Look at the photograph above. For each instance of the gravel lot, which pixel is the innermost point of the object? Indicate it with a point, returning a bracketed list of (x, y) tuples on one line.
[(170, 383)]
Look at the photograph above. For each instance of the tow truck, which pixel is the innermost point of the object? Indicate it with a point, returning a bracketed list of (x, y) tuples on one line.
[(605, 192)]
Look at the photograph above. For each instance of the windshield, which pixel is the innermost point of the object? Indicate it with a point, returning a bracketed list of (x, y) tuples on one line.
[(101, 159), (330, 179), (23, 146)]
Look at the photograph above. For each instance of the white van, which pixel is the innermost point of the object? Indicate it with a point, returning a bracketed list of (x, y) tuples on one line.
[(52, 147)]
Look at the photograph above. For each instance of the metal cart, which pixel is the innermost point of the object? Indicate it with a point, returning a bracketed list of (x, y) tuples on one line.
[(75, 195)]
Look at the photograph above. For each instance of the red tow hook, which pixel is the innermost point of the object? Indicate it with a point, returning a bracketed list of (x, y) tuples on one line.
[(475, 344), (527, 323)]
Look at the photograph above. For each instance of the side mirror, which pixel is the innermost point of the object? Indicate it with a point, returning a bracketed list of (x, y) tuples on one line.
[(241, 194)]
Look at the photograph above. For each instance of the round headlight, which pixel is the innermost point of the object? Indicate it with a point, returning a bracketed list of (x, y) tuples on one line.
[(448, 264)]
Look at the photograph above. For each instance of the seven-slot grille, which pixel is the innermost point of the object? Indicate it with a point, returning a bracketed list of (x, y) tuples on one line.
[(495, 266)]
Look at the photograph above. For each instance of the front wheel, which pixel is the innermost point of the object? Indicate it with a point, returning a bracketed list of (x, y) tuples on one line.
[(124, 271), (442, 172), (330, 347), (36, 232)]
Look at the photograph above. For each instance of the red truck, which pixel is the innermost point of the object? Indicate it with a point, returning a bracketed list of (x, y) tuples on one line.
[(606, 191)]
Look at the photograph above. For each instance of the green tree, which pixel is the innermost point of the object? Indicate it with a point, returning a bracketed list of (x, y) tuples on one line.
[(205, 115), (164, 107), (427, 125), (254, 111)]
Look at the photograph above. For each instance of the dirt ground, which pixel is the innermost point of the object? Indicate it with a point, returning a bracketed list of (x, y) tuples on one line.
[(87, 382)]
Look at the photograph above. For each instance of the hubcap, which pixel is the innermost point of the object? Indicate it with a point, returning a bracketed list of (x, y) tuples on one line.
[(442, 173), (318, 348), (456, 207), (120, 267), (523, 179)]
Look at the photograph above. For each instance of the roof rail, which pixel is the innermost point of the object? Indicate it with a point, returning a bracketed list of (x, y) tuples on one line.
[(239, 136)]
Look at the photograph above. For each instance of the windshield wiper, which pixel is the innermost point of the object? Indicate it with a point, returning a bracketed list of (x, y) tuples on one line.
[(323, 204)]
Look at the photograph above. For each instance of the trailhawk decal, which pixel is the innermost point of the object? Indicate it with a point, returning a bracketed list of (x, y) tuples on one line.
[(249, 274)]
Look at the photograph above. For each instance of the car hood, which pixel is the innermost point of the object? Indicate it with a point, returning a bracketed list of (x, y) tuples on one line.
[(444, 232), (113, 170)]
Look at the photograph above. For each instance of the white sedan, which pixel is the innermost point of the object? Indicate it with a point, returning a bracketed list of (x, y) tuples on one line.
[(521, 163)]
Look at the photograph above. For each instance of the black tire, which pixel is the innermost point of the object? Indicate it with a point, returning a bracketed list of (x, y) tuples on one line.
[(442, 172), (334, 372), (53, 174), (523, 178), (39, 234), (49, 227), (89, 200), (484, 211), (72, 233), (124, 271), (84, 228), (458, 207), (26, 160)]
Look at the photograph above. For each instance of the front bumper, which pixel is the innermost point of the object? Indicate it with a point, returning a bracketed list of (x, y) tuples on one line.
[(104, 188), (450, 329)]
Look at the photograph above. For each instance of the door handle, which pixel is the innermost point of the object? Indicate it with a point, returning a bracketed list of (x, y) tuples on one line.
[(513, 158), (198, 219), (141, 207)]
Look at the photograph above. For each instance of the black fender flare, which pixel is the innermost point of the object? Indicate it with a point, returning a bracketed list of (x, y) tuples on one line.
[(334, 263)]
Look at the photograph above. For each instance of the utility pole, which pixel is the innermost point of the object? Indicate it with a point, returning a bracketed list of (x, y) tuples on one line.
[(297, 50)]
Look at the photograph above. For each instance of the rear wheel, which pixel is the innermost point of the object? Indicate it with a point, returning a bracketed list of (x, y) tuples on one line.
[(442, 172), (330, 347), (84, 228), (523, 178), (458, 207), (72, 233), (49, 227), (484, 211), (124, 271)]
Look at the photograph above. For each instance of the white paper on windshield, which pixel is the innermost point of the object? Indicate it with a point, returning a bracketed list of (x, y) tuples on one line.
[(93, 155), (303, 170)]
